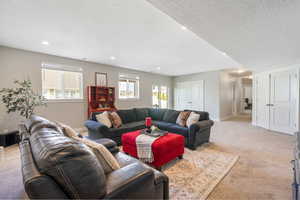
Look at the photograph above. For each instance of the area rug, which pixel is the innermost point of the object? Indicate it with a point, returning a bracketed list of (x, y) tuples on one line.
[(198, 173)]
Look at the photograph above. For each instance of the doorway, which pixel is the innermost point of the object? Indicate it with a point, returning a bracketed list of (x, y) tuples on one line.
[(242, 94), (160, 96), (277, 100)]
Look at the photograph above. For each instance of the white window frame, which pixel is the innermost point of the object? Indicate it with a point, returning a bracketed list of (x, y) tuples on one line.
[(128, 78), (59, 67)]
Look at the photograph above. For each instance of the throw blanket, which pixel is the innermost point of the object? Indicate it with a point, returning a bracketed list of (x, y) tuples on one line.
[(144, 147)]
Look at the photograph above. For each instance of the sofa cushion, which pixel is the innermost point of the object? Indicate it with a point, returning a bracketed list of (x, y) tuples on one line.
[(162, 125), (157, 114), (127, 116), (93, 115), (104, 118), (193, 118), (170, 127), (141, 113), (171, 116), (203, 115), (175, 128), (63, 159), (125, 128)]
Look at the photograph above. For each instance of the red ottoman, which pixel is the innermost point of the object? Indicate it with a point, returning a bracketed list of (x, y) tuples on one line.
[(165, 148)]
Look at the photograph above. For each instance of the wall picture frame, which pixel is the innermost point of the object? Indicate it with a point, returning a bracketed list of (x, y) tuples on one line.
[(101, 79)]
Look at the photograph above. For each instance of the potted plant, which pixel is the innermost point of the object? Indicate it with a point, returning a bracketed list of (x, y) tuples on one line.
[(21, 99)]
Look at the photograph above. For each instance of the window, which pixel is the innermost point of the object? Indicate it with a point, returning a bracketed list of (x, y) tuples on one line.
[(128, 86), (160, 96), (61, 82)]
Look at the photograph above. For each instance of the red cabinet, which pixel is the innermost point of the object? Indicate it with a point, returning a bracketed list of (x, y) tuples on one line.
[(100, 99)]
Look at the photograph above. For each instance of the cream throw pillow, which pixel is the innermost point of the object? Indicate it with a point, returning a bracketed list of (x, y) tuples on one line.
[(105, 157), (67, 130), (104, 118), (193, 118)]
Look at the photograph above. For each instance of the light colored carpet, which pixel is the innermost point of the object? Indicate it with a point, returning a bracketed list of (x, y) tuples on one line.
[(262, 172), (197, 174)]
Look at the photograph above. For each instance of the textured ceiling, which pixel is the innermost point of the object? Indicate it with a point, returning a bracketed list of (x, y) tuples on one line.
[(259, 34), (136, 33)]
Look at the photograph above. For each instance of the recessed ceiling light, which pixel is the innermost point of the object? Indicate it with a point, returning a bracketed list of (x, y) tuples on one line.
[(240, 71), (224, 54), (183, 28), (112, 58), (158, 68), (45, 42)]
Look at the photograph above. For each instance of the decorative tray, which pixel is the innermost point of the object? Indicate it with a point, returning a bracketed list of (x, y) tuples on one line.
[(155, 133)]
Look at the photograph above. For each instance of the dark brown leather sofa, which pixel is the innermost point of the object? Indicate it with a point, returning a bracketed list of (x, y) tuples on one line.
[(57, 167)]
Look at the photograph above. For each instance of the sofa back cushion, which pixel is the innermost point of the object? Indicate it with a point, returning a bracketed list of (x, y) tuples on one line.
[(70, 163), (157, 114), (127, 116), (141, 113), (171, 116), (203, 115)]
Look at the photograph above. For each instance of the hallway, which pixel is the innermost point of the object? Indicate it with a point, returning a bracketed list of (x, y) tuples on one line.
[(263, 170)]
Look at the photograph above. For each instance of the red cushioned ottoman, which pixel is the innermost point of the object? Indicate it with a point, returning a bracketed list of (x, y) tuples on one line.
[(165, 148)]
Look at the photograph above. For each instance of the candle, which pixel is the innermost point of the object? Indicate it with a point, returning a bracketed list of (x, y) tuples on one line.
[(148, 122)]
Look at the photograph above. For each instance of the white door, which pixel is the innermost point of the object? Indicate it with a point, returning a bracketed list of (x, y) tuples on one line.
[(284, 101), (197, 96), (262, 99), (189, 95)]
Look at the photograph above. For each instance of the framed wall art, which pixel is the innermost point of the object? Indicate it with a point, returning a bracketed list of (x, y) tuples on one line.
[(101, 79)]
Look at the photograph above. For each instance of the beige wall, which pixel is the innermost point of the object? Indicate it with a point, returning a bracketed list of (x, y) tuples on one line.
[(218, 92), (18, 65)]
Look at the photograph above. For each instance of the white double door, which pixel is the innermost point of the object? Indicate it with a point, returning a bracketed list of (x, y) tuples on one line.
[(276, 101), (189, 95)]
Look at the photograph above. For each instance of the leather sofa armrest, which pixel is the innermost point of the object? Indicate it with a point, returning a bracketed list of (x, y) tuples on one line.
[(109, 144), (37, 185), (132, 181), (201, 125), (95, 126)]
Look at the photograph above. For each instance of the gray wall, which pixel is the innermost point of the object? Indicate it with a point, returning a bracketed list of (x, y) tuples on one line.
[(212, 90), (18, 65), (226, 95)]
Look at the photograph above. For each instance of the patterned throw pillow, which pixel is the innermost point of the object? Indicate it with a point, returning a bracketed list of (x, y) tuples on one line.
[(115, 120), (104, 119), (182, 118), (193, 118)]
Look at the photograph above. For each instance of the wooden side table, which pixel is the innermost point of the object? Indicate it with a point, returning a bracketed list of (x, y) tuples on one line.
[(8, 138)]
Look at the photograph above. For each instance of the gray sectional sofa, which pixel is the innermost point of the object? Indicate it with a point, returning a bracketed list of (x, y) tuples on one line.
[(165, 119)]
